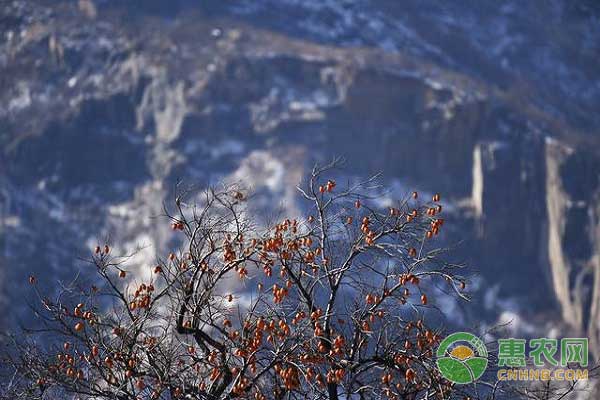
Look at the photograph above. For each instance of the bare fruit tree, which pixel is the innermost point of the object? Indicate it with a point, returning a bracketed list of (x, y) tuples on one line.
[(326, 306)]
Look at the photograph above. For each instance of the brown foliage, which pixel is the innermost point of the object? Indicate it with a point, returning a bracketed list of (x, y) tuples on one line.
[(337, 312)]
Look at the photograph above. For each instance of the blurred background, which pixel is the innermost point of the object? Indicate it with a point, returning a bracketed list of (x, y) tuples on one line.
[(106, 105)]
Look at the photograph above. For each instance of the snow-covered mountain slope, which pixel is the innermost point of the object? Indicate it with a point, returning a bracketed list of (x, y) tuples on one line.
[(104, 107)]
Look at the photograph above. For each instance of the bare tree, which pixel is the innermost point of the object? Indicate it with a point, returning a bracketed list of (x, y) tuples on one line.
[(327, 306)]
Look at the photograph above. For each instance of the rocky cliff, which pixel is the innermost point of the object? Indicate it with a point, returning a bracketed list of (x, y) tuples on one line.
[(103, 108)]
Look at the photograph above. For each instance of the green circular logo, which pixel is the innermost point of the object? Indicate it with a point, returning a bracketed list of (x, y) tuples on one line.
[(462, 358)]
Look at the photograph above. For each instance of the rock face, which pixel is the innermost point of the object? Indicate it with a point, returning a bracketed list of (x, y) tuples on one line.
[(103, 108), (572, 209)]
